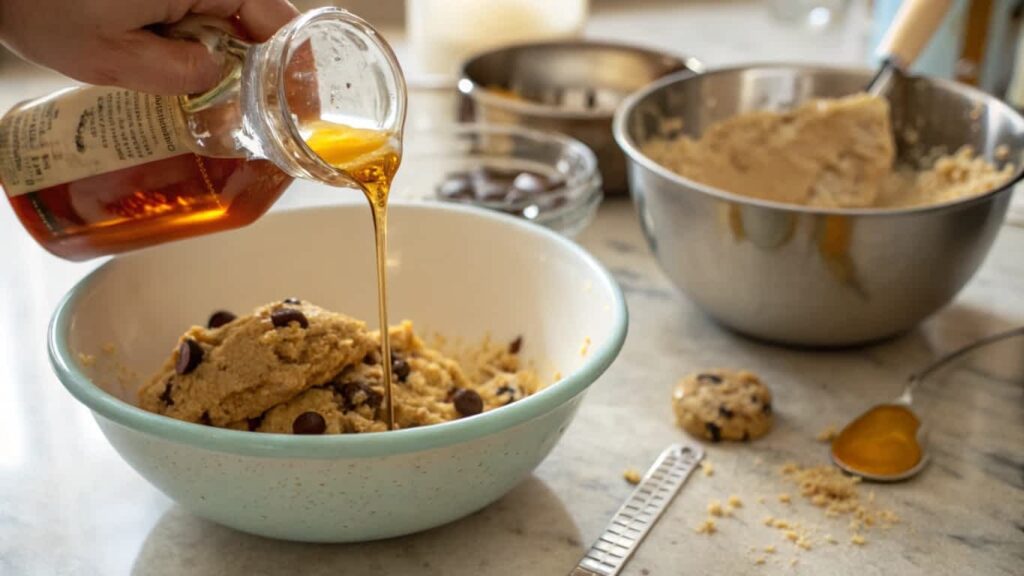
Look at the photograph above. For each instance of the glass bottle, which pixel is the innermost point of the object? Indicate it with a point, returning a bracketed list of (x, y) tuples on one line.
[(92, 171)]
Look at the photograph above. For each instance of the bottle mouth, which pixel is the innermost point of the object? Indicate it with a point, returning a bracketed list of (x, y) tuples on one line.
[(335, 69)]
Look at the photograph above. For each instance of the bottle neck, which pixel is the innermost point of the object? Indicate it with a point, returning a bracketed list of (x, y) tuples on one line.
[(274, 91)]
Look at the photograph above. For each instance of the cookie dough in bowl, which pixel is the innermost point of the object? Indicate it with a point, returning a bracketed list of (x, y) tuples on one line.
[(122, 324), (292, 367)]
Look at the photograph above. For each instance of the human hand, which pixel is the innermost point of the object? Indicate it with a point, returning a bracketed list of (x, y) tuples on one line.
[(106, 42)]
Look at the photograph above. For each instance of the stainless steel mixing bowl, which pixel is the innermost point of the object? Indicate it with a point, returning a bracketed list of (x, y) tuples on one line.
[(572, 87), (809, 276)]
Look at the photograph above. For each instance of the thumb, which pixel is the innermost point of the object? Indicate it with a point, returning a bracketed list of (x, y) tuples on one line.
[(146, 62)]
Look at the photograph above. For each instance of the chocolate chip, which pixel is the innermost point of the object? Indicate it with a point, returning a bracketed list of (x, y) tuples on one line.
[(292, 300), (767, 408), (514, 198), (282, 317), (456, 186), (371, 359), (533, 184), (165, 396), (205, 419), (755, 399), (489, 184), (506, 390), (709, 379), (467, 402), (714, 430), (725, 412), (357, 394), (400, 369), (746, 435), (219, 318), (309, 423), (516, 345), (190, 354), (254, 423)]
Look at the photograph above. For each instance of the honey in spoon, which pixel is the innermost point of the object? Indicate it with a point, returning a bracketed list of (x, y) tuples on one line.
[(880, 443)]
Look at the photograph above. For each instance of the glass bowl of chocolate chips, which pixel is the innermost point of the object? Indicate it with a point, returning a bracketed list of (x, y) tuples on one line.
[(544, 177)]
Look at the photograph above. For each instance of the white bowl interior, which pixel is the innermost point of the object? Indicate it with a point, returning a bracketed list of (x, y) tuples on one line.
[(454, 271)]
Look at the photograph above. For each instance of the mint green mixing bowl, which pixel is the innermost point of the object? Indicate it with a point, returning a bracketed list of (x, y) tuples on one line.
[(457, 271)]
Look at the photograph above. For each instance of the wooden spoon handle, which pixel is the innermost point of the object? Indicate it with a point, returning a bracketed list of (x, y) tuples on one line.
[(910, 31)]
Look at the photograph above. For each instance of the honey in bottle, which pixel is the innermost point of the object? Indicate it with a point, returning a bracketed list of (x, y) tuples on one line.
[(92, 171)]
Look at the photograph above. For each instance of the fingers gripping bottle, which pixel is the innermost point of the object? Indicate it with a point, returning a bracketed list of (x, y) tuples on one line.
[(93, 170)]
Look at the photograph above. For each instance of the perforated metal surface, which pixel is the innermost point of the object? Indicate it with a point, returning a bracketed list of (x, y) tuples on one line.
[(634, 520)]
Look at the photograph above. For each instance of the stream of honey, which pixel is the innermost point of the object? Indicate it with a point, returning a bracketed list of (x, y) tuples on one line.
[(369, 158)]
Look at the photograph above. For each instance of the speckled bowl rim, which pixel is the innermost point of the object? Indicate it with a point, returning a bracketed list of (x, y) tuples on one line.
[(377, 444)]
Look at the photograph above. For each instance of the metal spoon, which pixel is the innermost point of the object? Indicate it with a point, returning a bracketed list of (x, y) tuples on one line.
[(906, 398)]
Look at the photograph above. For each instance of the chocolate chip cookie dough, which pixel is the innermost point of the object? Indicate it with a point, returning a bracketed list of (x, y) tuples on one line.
[(723, 405), (294, 368), (830, 153)]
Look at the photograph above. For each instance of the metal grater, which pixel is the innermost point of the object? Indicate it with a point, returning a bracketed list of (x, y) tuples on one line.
[(642, 509)]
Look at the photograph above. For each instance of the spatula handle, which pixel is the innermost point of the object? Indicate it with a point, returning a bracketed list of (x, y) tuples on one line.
[(910, 31)]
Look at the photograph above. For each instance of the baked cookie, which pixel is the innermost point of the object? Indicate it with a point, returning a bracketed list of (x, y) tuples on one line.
[(723, 405)]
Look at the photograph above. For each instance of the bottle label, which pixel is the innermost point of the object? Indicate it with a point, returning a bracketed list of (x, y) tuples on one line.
[(82, 132)]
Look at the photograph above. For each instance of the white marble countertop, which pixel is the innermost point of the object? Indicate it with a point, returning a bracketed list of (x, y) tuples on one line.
[(70, 505)]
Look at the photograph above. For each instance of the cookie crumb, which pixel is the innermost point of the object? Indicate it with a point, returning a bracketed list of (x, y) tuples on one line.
[(108, 348), (735, 502), (768, 521), (770, 549), (1002, 152), (86, 359), (708, 527), (858, 540), (792, 561), (785, 498), (715, 508), (828, 488), (792, 535), (632, 476), (781, 524), (707, 467), (830, 539), (828, 434), (760, 500), (760, 560), (586, 346)]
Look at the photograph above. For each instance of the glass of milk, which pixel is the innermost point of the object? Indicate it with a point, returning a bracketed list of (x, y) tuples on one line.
[(444, 33)]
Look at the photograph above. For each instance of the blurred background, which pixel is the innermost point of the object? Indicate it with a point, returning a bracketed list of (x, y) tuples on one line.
[(979, 43)]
